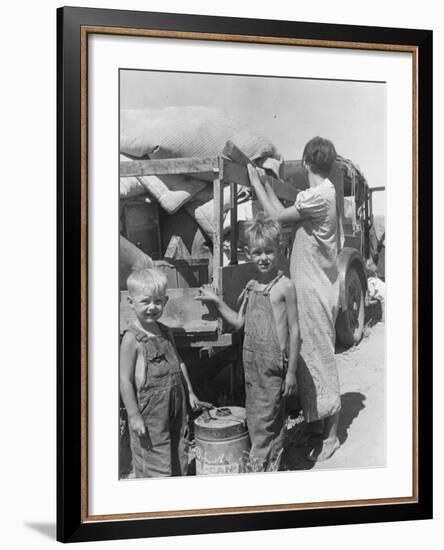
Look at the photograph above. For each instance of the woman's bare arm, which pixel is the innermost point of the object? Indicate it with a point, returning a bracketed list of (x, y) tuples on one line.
[(270, 202), (272, 197)]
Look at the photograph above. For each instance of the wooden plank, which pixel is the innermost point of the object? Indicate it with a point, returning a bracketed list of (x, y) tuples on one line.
[(283, 190), (192, 165), (337, 179), (183, 313), (233, 220), (234, 278), (235, 173), (291, 170), (218, 188), (233, 152), (224, 340), (169, 271), (176, 249), (191, 274)]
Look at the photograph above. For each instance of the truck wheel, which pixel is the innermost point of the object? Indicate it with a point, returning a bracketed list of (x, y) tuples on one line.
[(350, 323)]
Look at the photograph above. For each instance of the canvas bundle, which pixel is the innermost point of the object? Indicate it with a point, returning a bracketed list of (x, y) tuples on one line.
[(171, 191), (175, 132)]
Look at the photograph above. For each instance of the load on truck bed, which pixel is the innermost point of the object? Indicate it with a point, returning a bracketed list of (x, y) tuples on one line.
[(198, 241)]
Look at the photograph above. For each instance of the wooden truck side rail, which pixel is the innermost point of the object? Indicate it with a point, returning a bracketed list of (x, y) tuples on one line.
[(229, 280), (229, 169)]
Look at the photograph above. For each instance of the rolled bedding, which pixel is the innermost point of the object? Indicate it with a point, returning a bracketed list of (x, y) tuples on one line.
[(189, 131)]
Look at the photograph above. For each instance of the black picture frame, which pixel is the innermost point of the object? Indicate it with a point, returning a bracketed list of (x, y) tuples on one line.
[(72, 521)]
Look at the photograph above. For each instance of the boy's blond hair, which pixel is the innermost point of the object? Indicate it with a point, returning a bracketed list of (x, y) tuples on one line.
[(150, 280), (263, 229)]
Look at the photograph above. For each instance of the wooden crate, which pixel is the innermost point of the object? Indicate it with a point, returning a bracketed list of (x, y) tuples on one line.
[(191, 273), (183, 313), (140, 225)]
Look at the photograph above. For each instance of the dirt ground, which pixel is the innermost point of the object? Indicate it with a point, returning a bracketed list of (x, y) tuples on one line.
[(362, 419)]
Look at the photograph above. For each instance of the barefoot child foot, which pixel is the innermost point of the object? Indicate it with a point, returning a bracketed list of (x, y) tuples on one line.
[(328, 448)]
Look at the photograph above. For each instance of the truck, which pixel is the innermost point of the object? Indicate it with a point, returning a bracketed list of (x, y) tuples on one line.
[(193, 323), (210, 348)]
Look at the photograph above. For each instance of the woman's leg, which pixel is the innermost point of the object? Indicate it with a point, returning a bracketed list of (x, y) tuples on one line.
[(331, 426), (330, 442)]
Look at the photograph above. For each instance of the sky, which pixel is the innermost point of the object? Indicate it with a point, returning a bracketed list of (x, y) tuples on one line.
[(289, 111)]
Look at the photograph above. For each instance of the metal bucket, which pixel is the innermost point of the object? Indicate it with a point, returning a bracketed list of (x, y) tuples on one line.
[(222, 441)]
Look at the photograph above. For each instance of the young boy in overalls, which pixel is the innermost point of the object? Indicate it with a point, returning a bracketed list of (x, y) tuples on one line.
[(152, 382), (268, 312)]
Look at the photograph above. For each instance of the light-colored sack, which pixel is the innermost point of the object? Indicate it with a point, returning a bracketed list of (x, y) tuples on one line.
[(202, 209), (131, 187), (171, 191), (188, 131)]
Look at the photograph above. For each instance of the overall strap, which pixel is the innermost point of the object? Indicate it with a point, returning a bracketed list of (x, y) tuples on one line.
[(139, 335), (246, 291), (271, 284), (243, 299), (164, 330), (142, 336)]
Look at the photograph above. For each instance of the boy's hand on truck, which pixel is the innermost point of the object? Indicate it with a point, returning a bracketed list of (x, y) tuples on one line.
[(207, 294)]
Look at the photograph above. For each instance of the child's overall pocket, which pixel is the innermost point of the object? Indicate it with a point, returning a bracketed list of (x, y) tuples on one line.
[(158, 365)]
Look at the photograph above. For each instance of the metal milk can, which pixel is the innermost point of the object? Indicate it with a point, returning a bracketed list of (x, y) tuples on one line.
[(222, 441)]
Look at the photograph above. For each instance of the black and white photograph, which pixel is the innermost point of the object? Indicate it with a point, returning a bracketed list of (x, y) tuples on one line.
[(251, 274)]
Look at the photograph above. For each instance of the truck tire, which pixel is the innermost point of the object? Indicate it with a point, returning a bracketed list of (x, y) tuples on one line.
[(350, 323)]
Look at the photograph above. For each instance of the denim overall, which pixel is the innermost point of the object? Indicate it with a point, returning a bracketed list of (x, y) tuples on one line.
[(162, 404), (263, 362)]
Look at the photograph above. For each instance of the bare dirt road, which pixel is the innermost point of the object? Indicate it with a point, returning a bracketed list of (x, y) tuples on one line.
[(362, 419)]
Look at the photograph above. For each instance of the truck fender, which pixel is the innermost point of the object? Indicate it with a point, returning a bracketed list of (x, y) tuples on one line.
[(347, 258)]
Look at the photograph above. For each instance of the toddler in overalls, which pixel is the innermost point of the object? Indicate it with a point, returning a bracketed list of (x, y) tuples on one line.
[(268, 311), (152, 382)]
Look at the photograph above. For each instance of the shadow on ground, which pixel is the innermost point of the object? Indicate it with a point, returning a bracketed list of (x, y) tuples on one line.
[(352, 403), (298, 444), (46, 529)]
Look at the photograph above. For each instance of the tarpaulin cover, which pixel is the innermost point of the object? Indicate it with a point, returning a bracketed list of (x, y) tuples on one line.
[(189, 131)]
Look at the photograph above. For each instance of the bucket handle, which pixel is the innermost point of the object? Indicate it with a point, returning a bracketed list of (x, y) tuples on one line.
[(223, 411)]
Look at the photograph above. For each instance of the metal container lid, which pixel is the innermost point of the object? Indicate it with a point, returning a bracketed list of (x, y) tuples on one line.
[(221, 423)]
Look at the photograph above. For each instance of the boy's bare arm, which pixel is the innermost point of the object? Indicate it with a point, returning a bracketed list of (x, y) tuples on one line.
[(194, 401), (235, 318), (294, 337), (128, 357), (191, 395)]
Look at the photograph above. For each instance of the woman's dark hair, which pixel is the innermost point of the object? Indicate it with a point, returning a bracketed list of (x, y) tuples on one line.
[(319, 154)]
